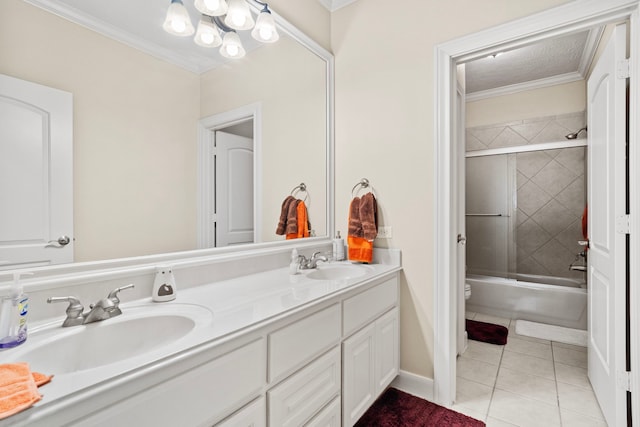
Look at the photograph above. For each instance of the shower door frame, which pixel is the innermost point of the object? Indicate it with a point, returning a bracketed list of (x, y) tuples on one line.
[(566, 18)]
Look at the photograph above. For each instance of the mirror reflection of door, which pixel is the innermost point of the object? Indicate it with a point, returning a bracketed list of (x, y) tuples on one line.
[(36, 188), (234, 192)]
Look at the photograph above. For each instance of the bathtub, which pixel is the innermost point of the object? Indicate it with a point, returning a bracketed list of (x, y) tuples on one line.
[(563, 303)]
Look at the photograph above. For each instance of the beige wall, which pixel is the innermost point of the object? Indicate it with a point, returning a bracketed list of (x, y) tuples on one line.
[(384, 130), (543, 102), (134, 132), (289, 82), (307, 15)]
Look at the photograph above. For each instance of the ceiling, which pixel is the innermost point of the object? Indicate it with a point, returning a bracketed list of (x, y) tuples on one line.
[(139, 24), (545, 63)]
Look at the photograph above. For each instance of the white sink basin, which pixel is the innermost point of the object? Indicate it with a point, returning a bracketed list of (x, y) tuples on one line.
[(138, 331), (337, 272)]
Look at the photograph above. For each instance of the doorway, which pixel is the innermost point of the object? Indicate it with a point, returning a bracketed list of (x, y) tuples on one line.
[(229, 164), (568, 18)]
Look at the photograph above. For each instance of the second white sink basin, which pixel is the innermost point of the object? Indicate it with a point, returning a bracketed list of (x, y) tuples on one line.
[(138, 331), (337, 272)]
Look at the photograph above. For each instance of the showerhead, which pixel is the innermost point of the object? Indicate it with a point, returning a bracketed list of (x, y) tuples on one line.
[(574, 135)]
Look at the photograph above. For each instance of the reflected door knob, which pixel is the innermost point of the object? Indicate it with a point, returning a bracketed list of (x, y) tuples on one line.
[(61, 242)]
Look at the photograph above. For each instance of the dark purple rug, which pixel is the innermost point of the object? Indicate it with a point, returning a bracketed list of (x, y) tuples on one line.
[(487, 332), (398, 409)]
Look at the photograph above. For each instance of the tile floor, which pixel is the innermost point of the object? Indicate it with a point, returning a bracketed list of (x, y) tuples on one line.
[(528, 382)]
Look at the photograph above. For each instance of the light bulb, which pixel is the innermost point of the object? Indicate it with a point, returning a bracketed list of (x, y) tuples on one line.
[(239, 15), (238, 19), (178, 26), (266, 33), (232, 46), (177, 21), (212, 4), (232, 50), (265, 30), (207, 38)]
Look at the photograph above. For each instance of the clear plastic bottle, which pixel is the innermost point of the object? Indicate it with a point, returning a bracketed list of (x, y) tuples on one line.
[(338, 248), (13, 315)]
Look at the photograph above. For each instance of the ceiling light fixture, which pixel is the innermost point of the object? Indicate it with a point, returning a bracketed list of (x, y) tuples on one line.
[(226, 16)]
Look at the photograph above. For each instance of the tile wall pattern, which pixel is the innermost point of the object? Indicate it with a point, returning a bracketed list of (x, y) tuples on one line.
[(551, 191)]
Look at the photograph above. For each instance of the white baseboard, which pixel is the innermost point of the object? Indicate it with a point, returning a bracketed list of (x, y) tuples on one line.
[(414, 384)]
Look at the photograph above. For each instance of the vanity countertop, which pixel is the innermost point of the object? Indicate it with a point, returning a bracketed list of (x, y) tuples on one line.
[(237, 305)]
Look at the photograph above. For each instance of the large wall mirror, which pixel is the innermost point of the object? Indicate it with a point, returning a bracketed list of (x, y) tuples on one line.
[(139, 115)]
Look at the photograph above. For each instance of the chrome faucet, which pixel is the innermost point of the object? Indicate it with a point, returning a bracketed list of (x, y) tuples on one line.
[(311, 263), (105, 308)]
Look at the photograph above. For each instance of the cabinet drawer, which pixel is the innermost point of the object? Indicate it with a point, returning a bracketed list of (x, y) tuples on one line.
[(297, 399), (328, 417), (201, 396), (296, 344), (365, 307), (252, 415)]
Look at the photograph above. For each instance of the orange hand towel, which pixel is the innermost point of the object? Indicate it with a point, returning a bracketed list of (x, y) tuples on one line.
[(302, 222), (18, 389), (363, 228), (41, 379)]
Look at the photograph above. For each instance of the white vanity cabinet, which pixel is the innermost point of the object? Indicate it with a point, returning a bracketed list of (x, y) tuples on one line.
[(200, 396), (321, 364), (301, 347), (371, 355)]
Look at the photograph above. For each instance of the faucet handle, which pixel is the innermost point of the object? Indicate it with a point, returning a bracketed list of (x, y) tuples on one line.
[(113, 295), (74, 310)]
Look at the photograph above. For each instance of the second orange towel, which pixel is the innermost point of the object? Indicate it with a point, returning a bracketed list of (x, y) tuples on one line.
[(19, 388)]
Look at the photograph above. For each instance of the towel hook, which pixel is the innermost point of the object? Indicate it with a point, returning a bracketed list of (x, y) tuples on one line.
[(363, 183), (302, 187)]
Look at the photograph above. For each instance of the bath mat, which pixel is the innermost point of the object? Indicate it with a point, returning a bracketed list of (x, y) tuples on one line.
[(552, 332), (487, 332), (398, 409)]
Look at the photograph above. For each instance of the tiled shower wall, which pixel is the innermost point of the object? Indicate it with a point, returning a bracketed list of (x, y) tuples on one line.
[(551, 191)]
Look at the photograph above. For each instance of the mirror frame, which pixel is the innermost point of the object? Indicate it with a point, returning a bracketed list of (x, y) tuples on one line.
[(250, 249)]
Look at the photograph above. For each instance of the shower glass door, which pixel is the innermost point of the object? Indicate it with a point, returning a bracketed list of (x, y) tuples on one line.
[(490, 202)]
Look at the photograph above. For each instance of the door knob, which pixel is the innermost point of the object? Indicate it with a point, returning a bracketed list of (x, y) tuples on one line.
[(461, 239), (60, 243)]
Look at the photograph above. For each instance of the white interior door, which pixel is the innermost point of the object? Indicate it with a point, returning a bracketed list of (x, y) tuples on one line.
[(36, 164), (460, 126), (233, 189), (606, 94)]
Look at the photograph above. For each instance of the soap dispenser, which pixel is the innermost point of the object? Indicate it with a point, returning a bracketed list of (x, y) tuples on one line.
[(164, 285), (294, 265), (13, 314), (338, 248)]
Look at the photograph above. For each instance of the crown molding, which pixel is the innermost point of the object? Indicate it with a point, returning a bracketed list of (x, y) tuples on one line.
[(90, 22), (590, 48), (333, 5), (521, 87)]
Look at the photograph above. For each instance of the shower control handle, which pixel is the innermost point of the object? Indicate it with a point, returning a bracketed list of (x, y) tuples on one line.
[(462, 239)]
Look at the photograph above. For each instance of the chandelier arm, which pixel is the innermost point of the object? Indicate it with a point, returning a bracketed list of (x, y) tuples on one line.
[(220, 23)]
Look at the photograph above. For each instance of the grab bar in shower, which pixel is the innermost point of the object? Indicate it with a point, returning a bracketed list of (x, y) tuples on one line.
[(475, 214)]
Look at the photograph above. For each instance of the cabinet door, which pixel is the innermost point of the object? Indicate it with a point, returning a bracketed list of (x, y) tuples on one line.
[(387, 349), (358, 381), (252, 415), (328, 417), (298, 398)]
